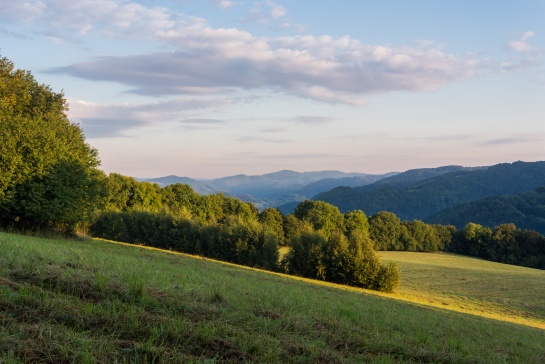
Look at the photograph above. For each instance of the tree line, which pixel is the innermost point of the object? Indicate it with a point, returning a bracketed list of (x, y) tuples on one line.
[(323, 243)]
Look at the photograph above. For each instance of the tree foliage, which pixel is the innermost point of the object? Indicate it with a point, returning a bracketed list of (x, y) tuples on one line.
[(323, 217), (526, 210), (505, 243), (273, 221), (49, 173), (234, 241), (386, 231), (356, 221), (340, 260)]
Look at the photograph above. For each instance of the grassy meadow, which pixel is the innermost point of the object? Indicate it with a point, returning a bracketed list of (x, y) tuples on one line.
[(494, 290), (87, 301)]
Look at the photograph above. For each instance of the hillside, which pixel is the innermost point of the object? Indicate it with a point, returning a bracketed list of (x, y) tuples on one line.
[(344, 195), (326, 184), (526, 210), (420, 196), (460, 283), (92, 301)]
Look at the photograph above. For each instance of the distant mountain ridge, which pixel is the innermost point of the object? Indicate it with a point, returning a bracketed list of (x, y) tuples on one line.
[(346, 197), (273, 189), (415, 195), (526, 210), (198, 186)]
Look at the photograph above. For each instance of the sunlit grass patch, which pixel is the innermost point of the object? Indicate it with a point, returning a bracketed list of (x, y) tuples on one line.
[(500, 291)]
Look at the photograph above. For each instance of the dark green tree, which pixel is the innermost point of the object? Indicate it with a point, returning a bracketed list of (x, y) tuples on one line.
[(146, 196), (180, 199), (385, 230), (356, 221), (422, 237), (445, 233), (388, 277), (474, 238), (340, 264), (292, 227), (306, 256), (119, 191), (273, 221), (49, 176), (324, 217), (367, 261)]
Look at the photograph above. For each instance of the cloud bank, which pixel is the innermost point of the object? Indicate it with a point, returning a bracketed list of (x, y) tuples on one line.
[(215, 61), (208, 60)]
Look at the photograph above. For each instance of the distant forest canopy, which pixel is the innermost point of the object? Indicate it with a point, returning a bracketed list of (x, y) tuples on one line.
[(412, 195), (525, 209), (189, 217)]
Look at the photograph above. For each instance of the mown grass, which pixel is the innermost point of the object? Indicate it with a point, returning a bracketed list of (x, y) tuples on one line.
[(65, 301), (499, 291)]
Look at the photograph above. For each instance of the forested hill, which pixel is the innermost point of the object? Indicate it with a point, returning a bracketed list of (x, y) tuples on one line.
[(526, 210), (423, 196)]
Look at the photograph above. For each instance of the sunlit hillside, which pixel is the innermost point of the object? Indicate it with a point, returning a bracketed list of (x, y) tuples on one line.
[(94, 301)]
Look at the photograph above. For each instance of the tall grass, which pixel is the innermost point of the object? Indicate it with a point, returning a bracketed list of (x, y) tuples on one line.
[(67, 301)]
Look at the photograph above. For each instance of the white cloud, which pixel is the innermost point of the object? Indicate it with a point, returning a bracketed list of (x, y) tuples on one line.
[(276, 11), (526, 55), (257, 15), (217, 60), (521, 45), (225, 4), (79, 18), (212, 60)]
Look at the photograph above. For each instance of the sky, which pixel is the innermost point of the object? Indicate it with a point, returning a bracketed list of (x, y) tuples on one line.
[(212, 88)]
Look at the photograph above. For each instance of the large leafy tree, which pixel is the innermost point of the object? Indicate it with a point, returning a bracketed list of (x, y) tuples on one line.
[(324, 218), (356, 221), (48, 173), (272, 219), (386, 230)]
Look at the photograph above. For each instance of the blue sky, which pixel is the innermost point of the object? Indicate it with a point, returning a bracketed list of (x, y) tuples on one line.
[(213, 88)]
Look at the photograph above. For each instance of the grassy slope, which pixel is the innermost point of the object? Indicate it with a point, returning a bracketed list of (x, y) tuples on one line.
[(69, 301), (499, 291)]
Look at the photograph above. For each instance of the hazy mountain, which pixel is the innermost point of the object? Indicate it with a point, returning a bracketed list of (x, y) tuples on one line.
[(275, 185), (526, 210), (327, 184), (343, 195), (416, 195), (407, 178), (200, 187), (273, 189)]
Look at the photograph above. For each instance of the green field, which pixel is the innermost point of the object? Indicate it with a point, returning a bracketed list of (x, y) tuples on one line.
[(65, 301), (500, 291)]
